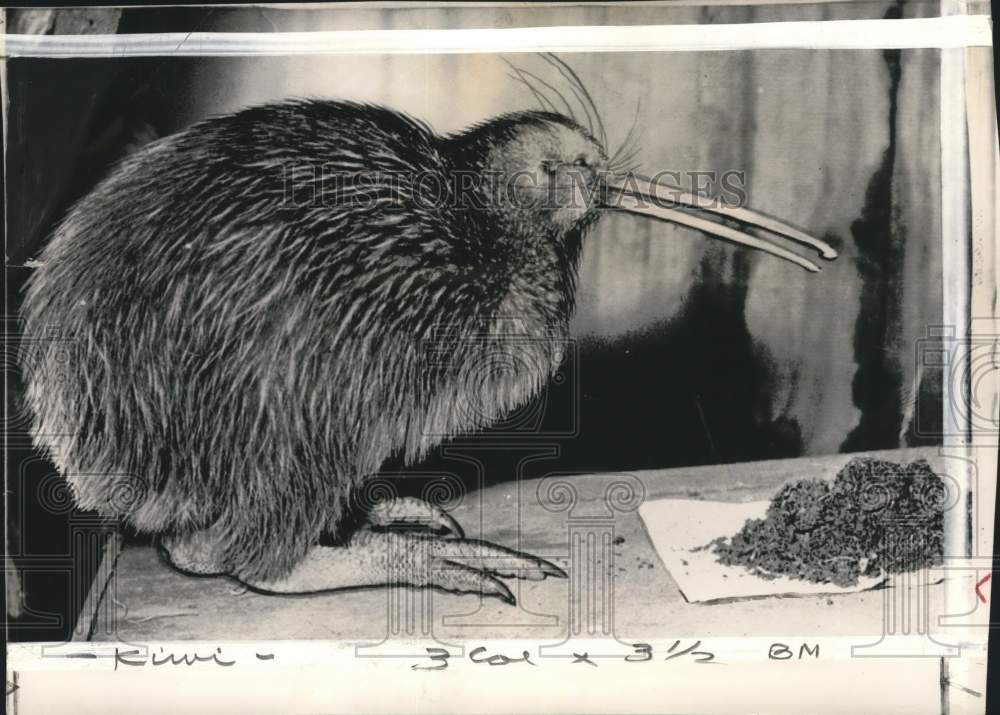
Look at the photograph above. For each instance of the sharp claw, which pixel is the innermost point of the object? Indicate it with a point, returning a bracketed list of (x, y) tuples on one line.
[(503, 592), (466, 579), (500, 590), (453, 526), (411, 512), (550, 569)]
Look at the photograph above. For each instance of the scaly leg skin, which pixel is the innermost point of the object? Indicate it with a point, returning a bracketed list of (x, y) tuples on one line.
[(410, 510), (374, 558)]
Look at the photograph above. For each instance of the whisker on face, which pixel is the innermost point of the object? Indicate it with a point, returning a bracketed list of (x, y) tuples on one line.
[(588, 109), (543, 102), (620, 166), (627, 169), (630, 137), (547, 104), (569, 107), (574, 78), (623, 157)]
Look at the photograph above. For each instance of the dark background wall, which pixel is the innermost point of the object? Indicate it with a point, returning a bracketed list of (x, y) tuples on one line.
[(686, 350)]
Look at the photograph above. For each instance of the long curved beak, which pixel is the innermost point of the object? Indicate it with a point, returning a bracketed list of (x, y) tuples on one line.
[(640, 195)]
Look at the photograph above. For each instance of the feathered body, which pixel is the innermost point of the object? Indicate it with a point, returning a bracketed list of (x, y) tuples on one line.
[(246, 347)]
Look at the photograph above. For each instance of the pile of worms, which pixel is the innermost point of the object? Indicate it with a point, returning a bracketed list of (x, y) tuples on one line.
[(875, 518)]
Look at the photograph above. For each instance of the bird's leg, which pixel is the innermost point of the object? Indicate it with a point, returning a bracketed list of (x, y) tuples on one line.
[(374, 558), (195, 552), (410, 510)]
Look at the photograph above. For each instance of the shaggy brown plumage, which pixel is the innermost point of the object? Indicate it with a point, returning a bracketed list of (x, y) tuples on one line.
[(266, 306)]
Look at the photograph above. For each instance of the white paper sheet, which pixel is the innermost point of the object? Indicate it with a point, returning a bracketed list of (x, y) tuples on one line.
[(679, 526)]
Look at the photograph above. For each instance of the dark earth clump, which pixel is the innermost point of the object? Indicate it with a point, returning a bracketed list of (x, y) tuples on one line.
[(876, 517)]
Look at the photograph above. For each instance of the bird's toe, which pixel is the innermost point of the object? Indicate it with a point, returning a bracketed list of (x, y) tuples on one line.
[(417, 512), (458, 577), (496, 559)]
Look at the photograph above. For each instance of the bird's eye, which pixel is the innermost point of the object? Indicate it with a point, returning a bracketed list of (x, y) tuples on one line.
[(580, 161)]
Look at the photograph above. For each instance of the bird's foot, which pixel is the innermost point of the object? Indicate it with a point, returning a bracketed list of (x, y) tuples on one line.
[(375, 558), (410, 510)]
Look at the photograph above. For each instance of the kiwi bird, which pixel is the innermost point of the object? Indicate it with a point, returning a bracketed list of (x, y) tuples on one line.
[(249, 330)]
